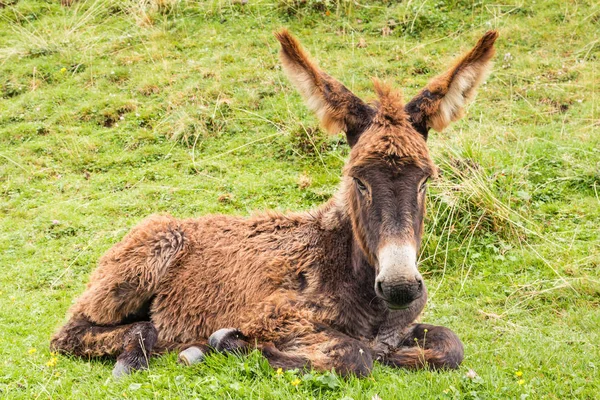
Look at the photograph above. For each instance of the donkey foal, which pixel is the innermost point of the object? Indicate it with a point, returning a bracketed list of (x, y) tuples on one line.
[(335, 287)]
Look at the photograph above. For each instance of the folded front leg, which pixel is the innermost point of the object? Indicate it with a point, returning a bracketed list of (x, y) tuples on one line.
[(319, 348), (323, 349), (427, 345)]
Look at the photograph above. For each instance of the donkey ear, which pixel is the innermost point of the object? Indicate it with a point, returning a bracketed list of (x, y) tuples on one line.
[(444, 98), (336, 106)]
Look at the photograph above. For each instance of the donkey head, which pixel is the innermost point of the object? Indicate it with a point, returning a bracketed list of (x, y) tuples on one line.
[(384, 182)]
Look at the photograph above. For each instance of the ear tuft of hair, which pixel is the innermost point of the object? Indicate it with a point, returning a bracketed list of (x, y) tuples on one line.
[(391, 104)]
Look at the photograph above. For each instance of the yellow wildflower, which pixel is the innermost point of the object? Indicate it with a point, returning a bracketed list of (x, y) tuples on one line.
[(279, 371), (295, 382), (519, 374), (521, 381), (31, 350), (52, 362), (63, 70)]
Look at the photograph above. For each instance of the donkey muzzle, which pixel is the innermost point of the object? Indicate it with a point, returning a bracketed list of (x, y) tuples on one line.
[(398, 282)]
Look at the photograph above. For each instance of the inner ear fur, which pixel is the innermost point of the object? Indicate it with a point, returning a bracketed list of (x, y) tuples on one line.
[(337, 107), (444, 98)]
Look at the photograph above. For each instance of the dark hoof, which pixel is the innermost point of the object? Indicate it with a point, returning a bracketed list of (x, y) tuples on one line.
[(121, 369), (191, 355), (129, 362), (228, 339)]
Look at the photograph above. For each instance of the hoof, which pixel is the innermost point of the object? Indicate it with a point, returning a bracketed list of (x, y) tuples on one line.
[(128, 362), (191, 355), (121, 369), (228, 339), (219, 337)]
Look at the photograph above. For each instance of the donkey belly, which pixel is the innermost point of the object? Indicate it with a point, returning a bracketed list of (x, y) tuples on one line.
[(191, 309), (209, 290)]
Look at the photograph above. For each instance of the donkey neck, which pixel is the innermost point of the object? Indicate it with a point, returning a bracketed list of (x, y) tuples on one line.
[(350, 262)]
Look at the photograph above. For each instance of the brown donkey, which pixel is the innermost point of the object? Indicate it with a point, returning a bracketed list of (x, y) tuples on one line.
[(336, 287)]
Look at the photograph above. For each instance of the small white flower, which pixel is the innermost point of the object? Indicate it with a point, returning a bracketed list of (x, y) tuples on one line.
[(471, 374)]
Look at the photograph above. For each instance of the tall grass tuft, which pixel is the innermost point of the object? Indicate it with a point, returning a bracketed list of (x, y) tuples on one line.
[(478, 198), (146, 12)]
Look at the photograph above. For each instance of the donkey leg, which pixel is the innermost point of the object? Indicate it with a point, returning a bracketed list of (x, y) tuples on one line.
[(138, 343), (129, 274), (284, 360), (120, 291), (324, 349), (231, 340), (427, 345), (132, 344), (321, 349)]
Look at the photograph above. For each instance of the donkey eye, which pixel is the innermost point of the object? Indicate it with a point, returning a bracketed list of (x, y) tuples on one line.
[(361, 186)]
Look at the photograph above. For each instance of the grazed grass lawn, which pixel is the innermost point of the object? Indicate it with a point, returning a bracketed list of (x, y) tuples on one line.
[(113, 110)]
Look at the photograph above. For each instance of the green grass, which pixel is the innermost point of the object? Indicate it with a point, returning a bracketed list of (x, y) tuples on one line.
[(113, 110)]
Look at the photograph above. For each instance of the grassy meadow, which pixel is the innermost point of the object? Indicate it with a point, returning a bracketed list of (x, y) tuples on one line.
[(111, 110)]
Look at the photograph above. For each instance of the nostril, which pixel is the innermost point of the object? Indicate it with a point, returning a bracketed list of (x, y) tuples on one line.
[(379, 287), (419, 282)]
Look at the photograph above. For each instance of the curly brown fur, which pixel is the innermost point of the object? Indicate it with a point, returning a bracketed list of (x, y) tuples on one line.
[(334, 287)]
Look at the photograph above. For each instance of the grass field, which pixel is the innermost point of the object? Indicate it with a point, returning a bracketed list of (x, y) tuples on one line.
[(112, 110)]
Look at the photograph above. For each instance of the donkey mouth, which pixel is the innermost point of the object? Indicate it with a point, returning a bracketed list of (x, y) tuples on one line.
[(394, 306), (398, 307), (401, 301)]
